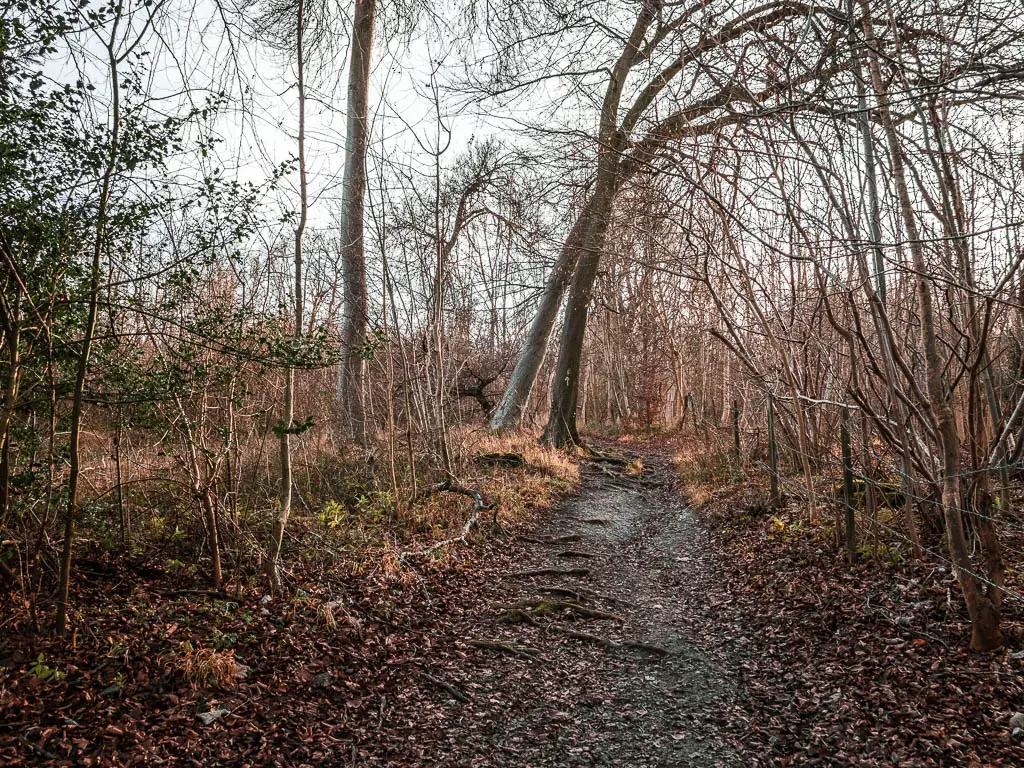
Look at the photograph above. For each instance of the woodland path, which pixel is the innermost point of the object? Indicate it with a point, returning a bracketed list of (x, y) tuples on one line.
[(547, 698)]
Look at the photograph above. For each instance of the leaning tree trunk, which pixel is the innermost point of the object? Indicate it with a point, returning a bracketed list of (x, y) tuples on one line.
[(587, 236), (509, 412), (561, 427), (611, 140), (353, 255), (984, 612)]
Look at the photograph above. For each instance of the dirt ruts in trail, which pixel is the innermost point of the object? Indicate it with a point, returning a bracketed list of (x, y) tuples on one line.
[(610, 663)]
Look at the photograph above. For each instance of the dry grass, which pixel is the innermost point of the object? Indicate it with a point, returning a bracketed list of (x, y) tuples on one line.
[(547, 475), (705, 470), (335, 616), (207, 668)]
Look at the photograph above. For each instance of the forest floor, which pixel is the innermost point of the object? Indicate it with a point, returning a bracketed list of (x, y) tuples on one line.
[(667, 640), (642, 682)]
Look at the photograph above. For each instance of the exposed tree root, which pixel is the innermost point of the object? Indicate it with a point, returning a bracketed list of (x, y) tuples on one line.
[(574, 553), (596, 521), (536, 608), (517, 616), (603, 458), (522, 651), (456, 693), (554, 572), (607, 643), (569, 539), (581, 594)]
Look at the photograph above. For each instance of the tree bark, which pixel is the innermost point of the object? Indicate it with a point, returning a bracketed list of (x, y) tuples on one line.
[(353, 253), (561, 427), (509, 413)]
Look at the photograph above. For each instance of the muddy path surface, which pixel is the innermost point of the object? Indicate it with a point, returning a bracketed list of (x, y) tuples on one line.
[(592, 643)]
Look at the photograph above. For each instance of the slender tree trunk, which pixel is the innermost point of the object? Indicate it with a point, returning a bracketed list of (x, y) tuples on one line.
[(85, 354), (288, 417), (984, 613), (13, 341), (850, 518), (353, 254)]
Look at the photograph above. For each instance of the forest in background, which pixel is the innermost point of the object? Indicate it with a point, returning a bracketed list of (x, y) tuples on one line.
[(786, 233)]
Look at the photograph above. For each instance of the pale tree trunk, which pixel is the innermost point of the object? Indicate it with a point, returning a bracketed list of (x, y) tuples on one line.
[(561, 427), (353, 254), (984, 612), (509, 413), (286, 426)]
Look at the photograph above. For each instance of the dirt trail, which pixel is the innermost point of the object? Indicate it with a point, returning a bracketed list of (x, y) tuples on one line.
[(567, 701)]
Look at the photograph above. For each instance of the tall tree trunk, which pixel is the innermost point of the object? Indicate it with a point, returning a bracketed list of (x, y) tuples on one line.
[(85, 354), (353, 253), (984, 613), (509, 413), (561, 427), (288, 417)]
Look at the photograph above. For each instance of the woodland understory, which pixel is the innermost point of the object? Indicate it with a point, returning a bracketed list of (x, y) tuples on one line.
[(323, 326)]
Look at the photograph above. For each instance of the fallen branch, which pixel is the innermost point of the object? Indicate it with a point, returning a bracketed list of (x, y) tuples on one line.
[(522, 651), (479, 505), (554, 572), (457, 694)]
